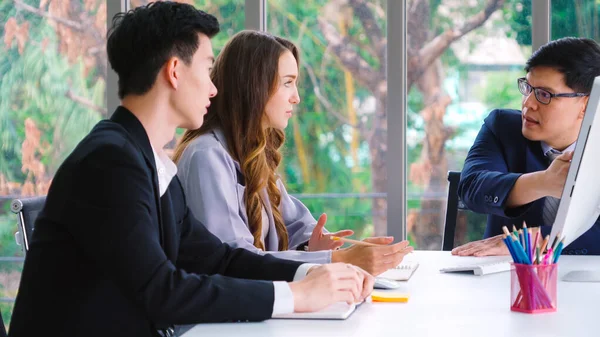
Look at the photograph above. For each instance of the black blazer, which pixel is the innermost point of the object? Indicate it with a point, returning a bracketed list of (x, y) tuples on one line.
[(110, 257)]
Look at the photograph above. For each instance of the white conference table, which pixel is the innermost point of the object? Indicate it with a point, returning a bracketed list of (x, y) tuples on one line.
[(447, 305)]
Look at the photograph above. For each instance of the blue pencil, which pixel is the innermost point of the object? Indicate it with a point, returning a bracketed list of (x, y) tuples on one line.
[(508, 244), (527, 240), (558, 251), (521, 238), (521, 252)]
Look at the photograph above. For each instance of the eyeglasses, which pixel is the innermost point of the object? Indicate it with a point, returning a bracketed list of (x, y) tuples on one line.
[(542, 95)]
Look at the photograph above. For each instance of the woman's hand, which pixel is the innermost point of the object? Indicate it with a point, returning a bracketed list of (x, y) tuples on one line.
[(322, 241)]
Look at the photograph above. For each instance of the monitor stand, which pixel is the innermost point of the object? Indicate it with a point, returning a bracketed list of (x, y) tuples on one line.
[(582, 276)]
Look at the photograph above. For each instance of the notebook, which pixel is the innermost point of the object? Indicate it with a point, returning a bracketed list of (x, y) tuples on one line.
[(402, 272), (479, 269), (339, 310)]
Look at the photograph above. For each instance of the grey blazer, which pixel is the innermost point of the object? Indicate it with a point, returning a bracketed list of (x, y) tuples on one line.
[(209, 177)]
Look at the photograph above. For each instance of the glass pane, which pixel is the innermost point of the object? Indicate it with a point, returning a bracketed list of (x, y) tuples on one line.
[(334, 157), (231, 16), (452, 86), (52, 91), (575, 18)]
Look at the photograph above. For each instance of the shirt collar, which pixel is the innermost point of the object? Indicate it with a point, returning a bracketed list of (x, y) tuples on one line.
[(166, 170), (547, 149)]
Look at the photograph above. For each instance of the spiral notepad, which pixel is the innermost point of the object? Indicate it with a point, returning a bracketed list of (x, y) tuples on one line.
[(402, 272)]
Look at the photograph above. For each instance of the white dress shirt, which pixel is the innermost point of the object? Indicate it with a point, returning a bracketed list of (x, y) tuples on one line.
[(284, 298)]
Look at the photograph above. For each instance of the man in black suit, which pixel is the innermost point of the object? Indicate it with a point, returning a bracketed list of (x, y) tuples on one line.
[(116, 252)]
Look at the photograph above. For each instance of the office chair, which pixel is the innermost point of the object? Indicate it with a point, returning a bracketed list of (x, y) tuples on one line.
[(452, 207), (27, 211)]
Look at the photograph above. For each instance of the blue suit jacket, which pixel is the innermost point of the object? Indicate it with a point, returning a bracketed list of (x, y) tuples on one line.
[(498, 157)]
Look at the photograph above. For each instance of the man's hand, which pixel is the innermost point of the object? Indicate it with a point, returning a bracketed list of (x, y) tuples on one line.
[(488, 247), (555, 175), (330, 283), (321, 241), (374, 259)]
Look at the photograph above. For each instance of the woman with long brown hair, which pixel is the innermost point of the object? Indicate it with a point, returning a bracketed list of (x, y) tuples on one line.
[(228, 167)]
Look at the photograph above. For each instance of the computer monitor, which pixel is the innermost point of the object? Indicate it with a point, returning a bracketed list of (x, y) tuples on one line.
[(580, 201)]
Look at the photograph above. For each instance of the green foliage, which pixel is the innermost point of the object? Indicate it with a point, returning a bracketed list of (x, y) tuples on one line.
[(568, 18), (34, 85), (501, 90), (6, 310), (230, 14), (518, 15), (575, 18)]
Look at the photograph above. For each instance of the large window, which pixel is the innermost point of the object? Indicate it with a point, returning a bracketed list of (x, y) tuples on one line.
[(334, 157), (461, 65), (52, 91)]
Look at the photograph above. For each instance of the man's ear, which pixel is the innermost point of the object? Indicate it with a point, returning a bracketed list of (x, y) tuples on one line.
[(172, 70), (585, 103)]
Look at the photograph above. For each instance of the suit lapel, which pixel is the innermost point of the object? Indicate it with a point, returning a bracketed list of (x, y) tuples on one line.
[(139, 137)]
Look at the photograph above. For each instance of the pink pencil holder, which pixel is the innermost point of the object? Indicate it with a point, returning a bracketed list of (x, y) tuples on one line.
[(533, 288)]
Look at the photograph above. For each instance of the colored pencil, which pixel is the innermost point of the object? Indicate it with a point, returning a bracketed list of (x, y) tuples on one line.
[(354, 242)]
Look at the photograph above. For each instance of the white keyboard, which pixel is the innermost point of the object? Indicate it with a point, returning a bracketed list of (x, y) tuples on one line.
[(479, 269)]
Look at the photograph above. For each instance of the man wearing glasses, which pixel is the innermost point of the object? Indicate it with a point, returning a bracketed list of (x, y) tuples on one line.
[(517, 167)]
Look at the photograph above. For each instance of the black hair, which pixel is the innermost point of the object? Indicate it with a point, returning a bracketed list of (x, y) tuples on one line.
[(143, 39), (577, 58)]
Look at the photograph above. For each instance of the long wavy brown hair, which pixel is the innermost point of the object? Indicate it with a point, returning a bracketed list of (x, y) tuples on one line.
[(246, 76)]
